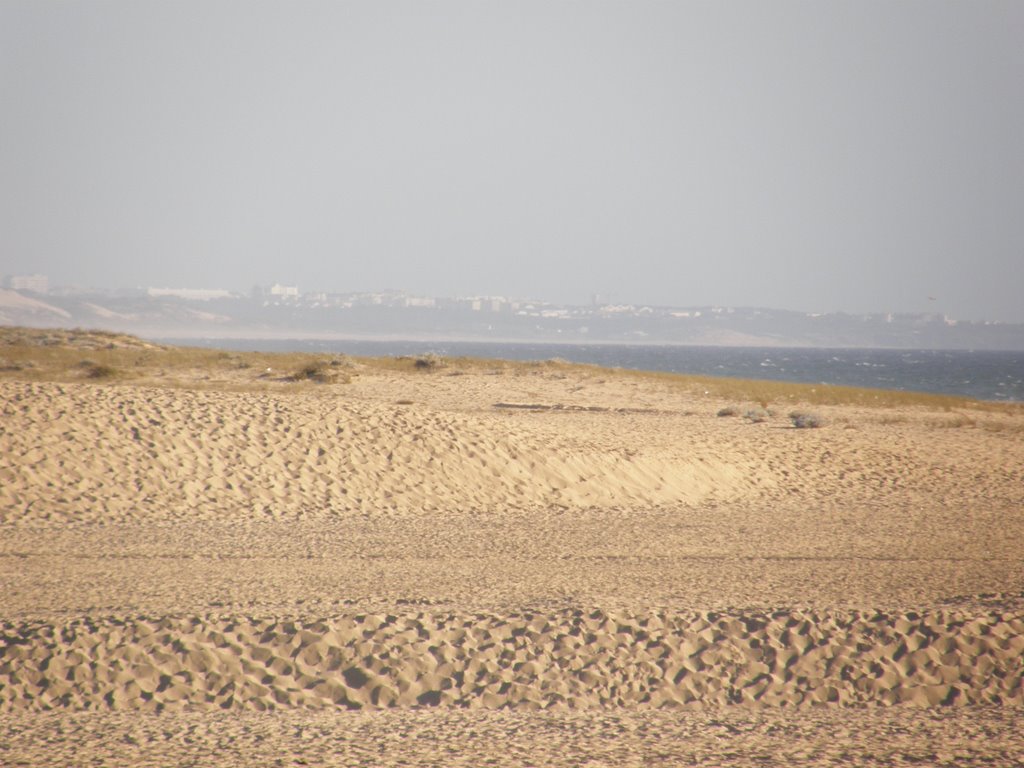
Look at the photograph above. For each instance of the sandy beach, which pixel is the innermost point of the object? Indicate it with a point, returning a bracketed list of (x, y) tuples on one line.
[(466, 563)]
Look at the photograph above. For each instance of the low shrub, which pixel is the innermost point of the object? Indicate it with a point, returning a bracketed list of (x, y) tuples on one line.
[(803, 420), (757, 415), (429, 362), (316, 371), (728, 411), (99, 371)]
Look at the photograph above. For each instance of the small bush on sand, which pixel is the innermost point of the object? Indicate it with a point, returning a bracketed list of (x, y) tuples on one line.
[(99, 371), (757, 415), (429, 362), (803, 420), (728, 411), (316, 371)]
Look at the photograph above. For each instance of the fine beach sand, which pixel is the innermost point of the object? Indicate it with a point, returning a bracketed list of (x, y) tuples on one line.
[(203, 561)]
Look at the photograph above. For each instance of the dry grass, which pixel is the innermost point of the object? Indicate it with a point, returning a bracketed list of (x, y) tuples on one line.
[(782, 393), (47, 355), (55, 355), (985, 419)]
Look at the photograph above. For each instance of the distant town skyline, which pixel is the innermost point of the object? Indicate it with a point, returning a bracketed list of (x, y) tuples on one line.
[(38, 283), (856, 157), (281, 294), (283, 311)]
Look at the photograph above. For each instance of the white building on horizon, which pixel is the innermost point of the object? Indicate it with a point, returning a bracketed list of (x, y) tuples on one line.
[(284, 291), (33, 283)]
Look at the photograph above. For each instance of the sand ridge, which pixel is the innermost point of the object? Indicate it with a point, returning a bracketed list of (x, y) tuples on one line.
[(196, 453), (574, 658), (87, 453)]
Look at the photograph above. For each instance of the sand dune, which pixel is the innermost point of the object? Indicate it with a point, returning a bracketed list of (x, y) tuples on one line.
[(86, 453)]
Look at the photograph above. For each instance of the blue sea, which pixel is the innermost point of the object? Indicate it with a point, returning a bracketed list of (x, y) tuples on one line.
[(984, 375)]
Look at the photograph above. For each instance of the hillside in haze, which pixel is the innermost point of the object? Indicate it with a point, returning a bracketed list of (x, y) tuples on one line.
[(399, 316)]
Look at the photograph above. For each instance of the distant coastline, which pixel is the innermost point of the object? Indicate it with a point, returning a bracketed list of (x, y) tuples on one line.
[(398, 317)]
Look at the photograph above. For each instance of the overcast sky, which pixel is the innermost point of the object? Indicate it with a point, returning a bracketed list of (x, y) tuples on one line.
[(823, 156)]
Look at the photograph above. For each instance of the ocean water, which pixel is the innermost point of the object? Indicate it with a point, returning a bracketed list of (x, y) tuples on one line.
[(984, 375)]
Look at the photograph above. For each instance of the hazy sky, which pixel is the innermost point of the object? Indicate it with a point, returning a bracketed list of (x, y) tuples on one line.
[(855, 156)]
